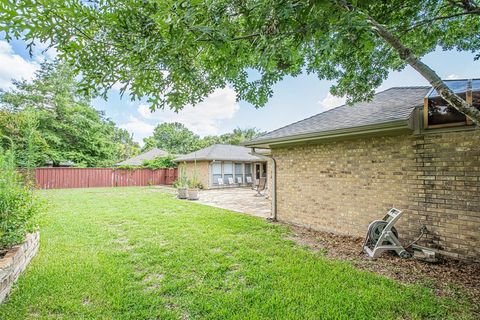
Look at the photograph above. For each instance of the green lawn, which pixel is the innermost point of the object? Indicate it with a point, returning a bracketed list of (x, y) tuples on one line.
[(137, 253)]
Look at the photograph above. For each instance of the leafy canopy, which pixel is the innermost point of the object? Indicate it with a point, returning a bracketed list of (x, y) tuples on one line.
[(173, 137), (177, 52), (48, 120), (176, 138), (160, 162)]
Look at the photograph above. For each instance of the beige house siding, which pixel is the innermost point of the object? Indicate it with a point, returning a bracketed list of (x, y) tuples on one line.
[(342, 186), (202, 168)]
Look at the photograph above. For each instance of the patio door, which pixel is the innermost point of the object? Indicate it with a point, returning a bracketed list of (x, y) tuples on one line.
[(258, 171)]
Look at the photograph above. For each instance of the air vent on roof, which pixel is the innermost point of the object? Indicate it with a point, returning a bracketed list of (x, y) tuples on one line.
[(438, 113)]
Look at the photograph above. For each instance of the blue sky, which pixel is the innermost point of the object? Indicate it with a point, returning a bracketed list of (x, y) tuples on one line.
[(294, 98)]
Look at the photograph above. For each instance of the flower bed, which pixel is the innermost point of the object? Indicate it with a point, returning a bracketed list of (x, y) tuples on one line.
[(15, 261)]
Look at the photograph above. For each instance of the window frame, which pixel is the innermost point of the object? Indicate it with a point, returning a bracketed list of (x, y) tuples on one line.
[(241, 174), (213, 174), (468, 122)]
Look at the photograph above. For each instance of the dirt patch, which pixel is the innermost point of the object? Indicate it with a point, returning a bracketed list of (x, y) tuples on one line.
[(152, 281), (447, 277)]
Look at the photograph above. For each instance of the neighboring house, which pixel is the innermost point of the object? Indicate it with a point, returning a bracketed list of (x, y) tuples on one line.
[(223, 161), (138, 160), (340, 169)]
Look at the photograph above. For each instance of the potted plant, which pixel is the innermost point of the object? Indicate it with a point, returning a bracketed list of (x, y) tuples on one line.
[(193, 186), (182, 183)]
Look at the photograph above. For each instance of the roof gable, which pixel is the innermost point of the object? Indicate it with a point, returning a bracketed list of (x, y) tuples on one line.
[(149, 155), (225, 152)]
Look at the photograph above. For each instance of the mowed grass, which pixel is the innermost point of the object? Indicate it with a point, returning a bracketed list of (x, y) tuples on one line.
[(138, 253)]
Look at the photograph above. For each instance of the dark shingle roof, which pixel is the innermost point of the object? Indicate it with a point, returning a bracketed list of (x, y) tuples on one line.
[(391, 105), (225, 152), (138, 160)]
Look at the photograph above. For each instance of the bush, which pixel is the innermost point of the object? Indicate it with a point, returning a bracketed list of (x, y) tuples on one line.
[(160, 162), (18, 204)]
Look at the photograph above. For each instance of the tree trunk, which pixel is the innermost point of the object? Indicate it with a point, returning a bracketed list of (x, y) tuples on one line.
[(445, 92), (431, 76)]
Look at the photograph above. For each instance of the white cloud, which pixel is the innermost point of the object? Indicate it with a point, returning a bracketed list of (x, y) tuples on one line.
[(13, 66), (453, 76), (117, 86), (139, 128), (330, 101), (42, 50), (203, 118)]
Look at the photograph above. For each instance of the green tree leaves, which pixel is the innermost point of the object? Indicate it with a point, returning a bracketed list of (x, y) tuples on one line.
[(49, 120), (176, 53), (173, 137), (177, 139)]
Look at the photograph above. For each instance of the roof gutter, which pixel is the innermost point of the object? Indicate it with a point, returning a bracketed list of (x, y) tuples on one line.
[(376, 129), (273, 216)]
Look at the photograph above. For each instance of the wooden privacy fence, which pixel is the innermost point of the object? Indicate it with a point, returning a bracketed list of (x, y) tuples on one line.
[(63, 178)]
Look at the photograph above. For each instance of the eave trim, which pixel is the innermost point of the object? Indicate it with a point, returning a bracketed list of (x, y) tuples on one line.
[(400, 125)]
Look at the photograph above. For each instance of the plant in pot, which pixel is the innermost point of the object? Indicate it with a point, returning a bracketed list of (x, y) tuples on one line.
[(193, 187), (194, 184), (182, 183)]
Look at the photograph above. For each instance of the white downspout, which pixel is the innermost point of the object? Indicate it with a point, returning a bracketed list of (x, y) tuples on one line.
[(273, 216)]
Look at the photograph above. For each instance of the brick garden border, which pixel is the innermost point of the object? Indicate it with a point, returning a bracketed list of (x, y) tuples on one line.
[(16, 261)]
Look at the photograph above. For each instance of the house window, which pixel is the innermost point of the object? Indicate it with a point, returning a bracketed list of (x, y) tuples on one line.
[(239, 173), (248, 171), (438, 113), (216, 172), (227, 171)]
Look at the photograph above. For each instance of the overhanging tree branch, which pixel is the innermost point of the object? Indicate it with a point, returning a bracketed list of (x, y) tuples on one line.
[(408, 56), (426, 21)]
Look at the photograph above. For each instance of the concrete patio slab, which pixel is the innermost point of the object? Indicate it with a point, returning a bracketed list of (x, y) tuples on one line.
[(237, 199)]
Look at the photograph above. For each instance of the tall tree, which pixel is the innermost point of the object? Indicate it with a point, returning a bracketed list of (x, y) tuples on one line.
[(177, 52), (125, 146), (240, 135), (19, 133), (236, 137), (173, 137), (49, 120)]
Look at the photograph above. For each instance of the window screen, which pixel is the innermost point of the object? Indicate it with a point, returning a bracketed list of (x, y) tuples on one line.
[(227, 171), (248, 168), (248, 172), (239, 172), (216, 171)]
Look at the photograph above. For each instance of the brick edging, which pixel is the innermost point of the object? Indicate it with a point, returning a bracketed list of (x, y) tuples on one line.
[(16, 261)]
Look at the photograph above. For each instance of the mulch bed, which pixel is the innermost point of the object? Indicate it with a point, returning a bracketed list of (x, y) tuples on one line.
[(447, 277)]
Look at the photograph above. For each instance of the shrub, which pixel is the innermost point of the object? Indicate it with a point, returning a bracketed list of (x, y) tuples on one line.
[(18, 204), (160, 162), (195, 184)]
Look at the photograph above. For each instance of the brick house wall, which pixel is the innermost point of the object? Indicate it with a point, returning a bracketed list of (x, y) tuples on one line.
[(202, 171), (342, 186)]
